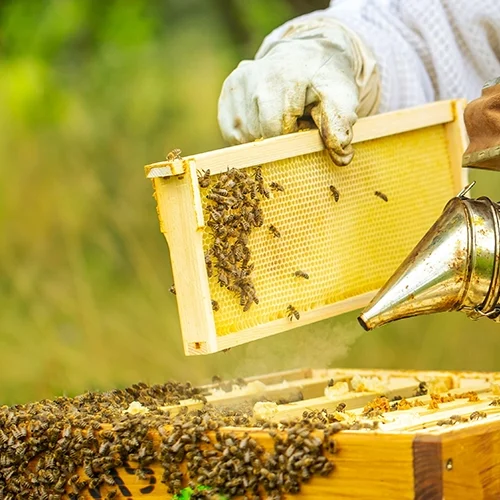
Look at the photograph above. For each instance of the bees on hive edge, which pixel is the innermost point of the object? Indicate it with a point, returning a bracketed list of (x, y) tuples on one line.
[(292, 313), (175, 154), (204, 178)]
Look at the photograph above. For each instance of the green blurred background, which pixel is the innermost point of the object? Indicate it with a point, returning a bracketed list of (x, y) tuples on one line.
[(89, 93)]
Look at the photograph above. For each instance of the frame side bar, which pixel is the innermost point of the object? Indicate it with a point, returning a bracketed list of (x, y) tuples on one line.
[(175, 205)]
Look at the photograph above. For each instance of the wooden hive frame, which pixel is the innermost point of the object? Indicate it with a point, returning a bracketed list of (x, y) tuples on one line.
[(181, 216), (415, 454)]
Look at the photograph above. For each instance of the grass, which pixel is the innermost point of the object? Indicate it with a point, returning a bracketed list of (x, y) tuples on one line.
[(84, 270)]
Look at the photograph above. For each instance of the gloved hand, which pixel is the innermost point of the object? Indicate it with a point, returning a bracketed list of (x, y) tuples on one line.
[(482, 121), (319, 69)]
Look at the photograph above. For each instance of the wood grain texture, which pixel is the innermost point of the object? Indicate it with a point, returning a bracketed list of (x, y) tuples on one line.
[(427, 467), (301, 143), (475, 457), (382, 470), (458, 140), (283, 324), (179, 221), (415, 458)]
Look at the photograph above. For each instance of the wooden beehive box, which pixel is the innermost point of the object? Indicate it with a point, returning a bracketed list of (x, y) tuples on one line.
[(275, 236), (432, 435)]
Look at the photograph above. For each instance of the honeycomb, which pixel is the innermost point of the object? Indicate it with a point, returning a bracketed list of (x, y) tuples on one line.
[(347, 247)]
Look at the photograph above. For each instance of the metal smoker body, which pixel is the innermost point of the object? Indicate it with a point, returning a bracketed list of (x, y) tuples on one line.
[(455, 267)]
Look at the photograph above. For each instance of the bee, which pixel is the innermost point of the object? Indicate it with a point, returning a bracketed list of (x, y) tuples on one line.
[(208, 264), (422, 389), (274, 231), (223, 278), (204, 178), (381, 195), (250, 299), (263, 191), (175, 154), (301, 274), (340, 407), (87, 467), (172, 289), (276, 187), (292, 313), (215, 305), (335, 193), (252, 189), (108, 479), (258, 174), (226, 183), (220, 191), (476, 415), (111, 494), (447, 421), (61, 483)]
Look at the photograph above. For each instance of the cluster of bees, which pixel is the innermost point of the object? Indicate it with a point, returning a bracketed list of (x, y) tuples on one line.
[(88, 445), (233, 210), (236, 464), (44, 445), (460, 419)]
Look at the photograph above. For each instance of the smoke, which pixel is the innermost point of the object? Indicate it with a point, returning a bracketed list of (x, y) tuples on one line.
[(314, 346)]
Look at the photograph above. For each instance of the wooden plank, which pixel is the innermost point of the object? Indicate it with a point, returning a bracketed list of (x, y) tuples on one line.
[(301, 143), (471, 462), (385, 470), (308, 388), (174, 197), (351, 399), (457, 142), (283, 324), (427, 468)]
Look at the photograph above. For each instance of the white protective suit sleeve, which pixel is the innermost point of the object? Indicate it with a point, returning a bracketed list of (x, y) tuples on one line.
[(425, 50)]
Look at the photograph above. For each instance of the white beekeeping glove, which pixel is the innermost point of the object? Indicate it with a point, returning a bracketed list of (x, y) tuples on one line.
[(319, 69)]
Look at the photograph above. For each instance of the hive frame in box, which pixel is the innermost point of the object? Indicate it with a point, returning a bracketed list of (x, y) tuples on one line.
[(180, 212)]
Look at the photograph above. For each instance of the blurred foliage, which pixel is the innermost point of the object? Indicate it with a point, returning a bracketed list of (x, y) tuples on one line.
[(90, 92)]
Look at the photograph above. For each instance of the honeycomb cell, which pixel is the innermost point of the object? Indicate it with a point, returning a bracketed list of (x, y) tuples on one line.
[(347, 247)]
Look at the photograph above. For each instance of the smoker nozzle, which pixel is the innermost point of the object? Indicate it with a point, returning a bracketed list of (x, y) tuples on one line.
[(455, 267)]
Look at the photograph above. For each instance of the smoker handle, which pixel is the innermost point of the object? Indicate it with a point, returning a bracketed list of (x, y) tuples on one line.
[(482, 121)]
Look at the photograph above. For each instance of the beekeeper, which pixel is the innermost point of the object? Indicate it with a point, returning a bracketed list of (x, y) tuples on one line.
[(357, 58)]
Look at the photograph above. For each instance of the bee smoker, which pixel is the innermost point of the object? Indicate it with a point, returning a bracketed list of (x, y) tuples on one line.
[(456, 265)]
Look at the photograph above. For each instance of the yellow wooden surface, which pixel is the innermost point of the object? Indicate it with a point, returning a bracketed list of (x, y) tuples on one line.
[(366, 468), (475, 462)]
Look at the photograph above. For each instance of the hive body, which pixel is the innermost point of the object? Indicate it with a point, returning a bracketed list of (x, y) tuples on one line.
[(360, 434)]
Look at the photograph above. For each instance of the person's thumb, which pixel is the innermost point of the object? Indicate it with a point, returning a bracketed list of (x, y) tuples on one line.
[(334, 114)]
